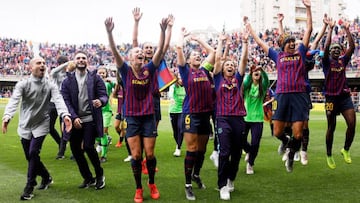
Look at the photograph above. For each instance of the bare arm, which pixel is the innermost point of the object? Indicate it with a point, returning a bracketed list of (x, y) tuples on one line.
[(109, 24), (350, 39), (328, 38), (244, 53), (320, 34), (308, 30), (159, 51), (168, 34), (280, 17), (180, 47), (218, 54), (227, 48), (209, 50), (137, 16), (257, 39)]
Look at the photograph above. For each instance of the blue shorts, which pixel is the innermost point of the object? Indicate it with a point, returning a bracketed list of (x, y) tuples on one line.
[(198, 123), (140, 125), (291, 107), (157, 109), (334, 105)]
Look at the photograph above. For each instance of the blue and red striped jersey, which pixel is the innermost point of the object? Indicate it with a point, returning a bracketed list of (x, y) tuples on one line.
[(291, 70), (138, 90), (229, 99), (199, 89), (335, 77)]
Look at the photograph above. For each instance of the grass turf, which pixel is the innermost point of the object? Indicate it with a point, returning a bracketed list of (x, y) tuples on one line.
[(270, 183)]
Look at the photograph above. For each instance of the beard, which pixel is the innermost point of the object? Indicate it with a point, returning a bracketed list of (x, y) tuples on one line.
[(81, 68)]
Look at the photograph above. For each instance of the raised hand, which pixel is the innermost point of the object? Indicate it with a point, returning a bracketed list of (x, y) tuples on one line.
[(245, 35), (332, 23), (171, 20), (137, 14), (280, 17), (164, 23), (184, 32), (326, 19), (307, 3), (346, 25), (245, 20), (109, 24)]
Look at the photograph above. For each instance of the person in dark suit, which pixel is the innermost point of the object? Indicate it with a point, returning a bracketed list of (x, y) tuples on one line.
[(84, 94)]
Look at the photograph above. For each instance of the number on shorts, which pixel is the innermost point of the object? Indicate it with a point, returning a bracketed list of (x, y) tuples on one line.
[(187, 119), (329, 106), (274, 105)]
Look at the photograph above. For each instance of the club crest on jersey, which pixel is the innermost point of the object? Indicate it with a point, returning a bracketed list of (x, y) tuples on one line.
[(146, 73)]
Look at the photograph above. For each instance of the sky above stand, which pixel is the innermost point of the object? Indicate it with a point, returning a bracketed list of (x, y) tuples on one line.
[(81, 21)]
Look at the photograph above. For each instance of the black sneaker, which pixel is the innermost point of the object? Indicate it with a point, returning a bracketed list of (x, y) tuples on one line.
[(189, 193), (28, 193), (198, 181), (87, 183), (100, 183), (283, 145), (289, 165), (45, 183)]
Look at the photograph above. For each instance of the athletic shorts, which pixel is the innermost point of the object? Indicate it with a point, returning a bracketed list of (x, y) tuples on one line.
[(140, 125), (291, 107), (198, 123), (107, 119), (334, 105)]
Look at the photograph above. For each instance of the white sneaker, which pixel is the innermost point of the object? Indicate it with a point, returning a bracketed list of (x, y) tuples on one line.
[(98, 148), (246, 158), (127, 159), (177, 152), (224, 193), (215, 158), (285, 155), (249, 169), (304, 158), (297, 156), (230, 185)]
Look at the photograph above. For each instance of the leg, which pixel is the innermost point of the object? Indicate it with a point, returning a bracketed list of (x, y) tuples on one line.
[(53, 116), (350, 118), (135, 148)]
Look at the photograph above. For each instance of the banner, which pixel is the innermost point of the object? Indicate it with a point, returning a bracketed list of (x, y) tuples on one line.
[(165, 78)]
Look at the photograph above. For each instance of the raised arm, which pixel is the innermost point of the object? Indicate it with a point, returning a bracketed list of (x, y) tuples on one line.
[(227, 48), (209, 50), (350, 39), (257, 39), (159, 51), (318, 37), (137, 16), (309, 28), (219, 54), (170, 24), (244, 52), (109, 24), (280, 17), (58, 69), (331, 24), (180, 47)]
